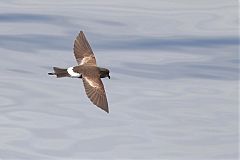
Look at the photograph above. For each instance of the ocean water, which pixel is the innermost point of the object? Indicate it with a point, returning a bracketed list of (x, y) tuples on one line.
[(173, 92)]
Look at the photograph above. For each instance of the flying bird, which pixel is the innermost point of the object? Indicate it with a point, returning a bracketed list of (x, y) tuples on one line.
[(88, 71)]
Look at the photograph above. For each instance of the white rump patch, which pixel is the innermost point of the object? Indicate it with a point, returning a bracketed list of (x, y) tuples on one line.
[(72, 73), (92, 83)]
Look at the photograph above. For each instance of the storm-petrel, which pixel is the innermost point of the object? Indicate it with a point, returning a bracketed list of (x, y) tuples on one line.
[(88, 70)]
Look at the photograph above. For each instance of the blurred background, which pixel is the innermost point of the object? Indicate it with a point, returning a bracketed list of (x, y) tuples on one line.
[(173, 92)]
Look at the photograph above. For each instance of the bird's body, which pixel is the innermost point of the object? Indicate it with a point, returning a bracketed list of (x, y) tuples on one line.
[(87, 70)]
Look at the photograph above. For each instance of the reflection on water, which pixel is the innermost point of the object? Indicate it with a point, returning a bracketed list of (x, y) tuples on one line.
[(31, 18), (34, 41), (174, 89), (176, 70)]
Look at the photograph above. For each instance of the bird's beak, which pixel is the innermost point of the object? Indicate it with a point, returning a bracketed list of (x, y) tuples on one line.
[(109, 77)]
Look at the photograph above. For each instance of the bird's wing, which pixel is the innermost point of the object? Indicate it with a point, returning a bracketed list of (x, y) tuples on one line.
[(82, 51), (95, 91)]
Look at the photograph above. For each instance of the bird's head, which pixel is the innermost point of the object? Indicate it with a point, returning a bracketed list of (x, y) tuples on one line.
[(104, 73)]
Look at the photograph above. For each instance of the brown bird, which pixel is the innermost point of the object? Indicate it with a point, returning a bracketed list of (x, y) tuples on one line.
[(88, 70)]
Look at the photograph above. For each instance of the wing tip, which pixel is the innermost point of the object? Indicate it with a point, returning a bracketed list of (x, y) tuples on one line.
[(80, 34), (107, 111), (104, 108)]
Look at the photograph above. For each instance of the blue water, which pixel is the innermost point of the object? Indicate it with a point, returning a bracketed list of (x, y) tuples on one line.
[(173, 92)]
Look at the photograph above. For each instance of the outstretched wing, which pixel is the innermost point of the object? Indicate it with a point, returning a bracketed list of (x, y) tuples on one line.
[(95, 91), (82, 51)]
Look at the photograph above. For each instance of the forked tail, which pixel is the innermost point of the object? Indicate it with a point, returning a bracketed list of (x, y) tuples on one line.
[(59, 72)]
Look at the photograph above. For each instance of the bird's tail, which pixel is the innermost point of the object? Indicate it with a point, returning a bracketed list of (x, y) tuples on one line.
[(59, 72)]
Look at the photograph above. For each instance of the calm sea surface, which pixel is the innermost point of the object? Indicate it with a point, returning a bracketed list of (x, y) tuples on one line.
[(174, 88)]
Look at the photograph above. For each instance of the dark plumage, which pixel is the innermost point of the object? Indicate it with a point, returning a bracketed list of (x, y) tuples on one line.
[(87, 70)]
